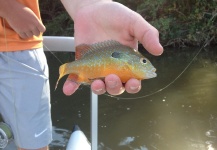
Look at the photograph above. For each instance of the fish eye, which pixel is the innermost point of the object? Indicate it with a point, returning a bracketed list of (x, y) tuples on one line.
[(143, 60)]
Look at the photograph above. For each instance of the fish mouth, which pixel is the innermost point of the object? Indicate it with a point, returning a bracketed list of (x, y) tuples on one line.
[(151, 73)]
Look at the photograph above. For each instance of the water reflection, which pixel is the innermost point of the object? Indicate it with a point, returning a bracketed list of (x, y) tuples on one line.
[(181, 117), (60, 137)]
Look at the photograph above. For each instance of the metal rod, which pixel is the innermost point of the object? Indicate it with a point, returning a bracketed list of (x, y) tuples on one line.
[(94, 121)]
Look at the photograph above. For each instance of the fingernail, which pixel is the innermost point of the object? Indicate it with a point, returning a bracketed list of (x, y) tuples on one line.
[(134, 88), (99, 90), (112, 84)]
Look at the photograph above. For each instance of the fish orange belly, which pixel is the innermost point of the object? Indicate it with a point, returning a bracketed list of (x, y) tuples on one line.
[(87, 73)]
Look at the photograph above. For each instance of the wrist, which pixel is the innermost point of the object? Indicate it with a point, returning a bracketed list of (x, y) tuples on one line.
[(73, 6)]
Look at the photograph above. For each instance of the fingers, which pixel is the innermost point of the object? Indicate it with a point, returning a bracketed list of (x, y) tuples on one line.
[(98, 87), (112, 85), (133, 86), (28, 34), (146, 34), (41, 27), (34, 31)]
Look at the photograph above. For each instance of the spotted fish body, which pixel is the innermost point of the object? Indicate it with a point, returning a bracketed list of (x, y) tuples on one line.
[(110, 57)]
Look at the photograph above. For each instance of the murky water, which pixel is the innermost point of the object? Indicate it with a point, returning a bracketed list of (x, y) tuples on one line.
[(180, 117)]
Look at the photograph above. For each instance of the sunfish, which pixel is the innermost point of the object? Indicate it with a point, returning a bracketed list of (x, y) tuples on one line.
[(98, 60)]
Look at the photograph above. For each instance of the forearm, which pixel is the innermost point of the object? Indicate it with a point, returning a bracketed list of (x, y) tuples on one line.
[(72, 6), (21, 18), (6, 7)]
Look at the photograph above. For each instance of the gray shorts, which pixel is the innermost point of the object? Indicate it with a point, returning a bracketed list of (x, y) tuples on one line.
[(25, 97)]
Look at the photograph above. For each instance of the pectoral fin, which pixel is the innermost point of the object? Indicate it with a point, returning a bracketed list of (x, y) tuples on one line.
[(73, 77)]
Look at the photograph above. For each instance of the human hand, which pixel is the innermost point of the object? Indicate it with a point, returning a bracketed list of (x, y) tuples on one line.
[(22, 19), (106, 20)]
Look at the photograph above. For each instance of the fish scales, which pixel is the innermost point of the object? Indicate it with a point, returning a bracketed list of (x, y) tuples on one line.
[(110, 57)]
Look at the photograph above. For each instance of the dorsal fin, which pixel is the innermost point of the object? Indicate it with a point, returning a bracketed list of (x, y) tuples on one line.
[(105, 44), (81, 50)]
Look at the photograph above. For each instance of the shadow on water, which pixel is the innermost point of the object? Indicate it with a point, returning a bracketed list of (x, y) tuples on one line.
[(181, 117)]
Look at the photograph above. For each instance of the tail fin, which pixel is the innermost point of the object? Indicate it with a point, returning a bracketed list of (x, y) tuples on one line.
[(62, 72)]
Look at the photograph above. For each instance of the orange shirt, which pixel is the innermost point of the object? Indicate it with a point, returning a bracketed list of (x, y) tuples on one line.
[(10, 40)]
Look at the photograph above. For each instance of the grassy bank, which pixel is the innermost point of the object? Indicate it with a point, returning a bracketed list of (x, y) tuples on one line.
[(180, 23)]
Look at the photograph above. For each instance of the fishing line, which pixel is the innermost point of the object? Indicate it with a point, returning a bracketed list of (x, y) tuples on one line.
[(125, 98), (53, 54), (165, 87)]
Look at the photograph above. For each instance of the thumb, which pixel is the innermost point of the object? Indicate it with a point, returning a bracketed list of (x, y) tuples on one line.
[(41, 27), (70, 87), (147, 35)]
